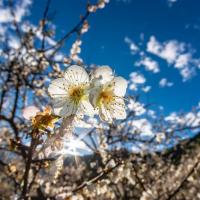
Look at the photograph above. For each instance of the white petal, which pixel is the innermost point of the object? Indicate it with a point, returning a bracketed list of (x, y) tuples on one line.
[(117, 109), (58, 88), (119, 86), (76, 75), (59, 102), (105, 114), (87, 108), (94, 95), (56, 110), (103, 74), (69, 109), (29, 112)]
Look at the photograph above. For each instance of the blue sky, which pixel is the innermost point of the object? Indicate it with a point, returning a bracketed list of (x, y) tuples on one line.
[(138, 20)]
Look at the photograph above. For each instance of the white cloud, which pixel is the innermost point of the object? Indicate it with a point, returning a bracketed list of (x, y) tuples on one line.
[(133, 86), (124, 1), (169, 50), (137, 78), (197, 63), (171, 2), (176, 54), (150, 65), (187, 73), (146, 88), (165, 83), (182, 60), (132, 46)]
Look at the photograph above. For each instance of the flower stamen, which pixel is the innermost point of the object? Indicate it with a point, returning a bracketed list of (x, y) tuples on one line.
[(76, 94), (106, 97)]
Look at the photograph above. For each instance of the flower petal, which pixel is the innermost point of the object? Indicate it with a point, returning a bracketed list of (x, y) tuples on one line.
[(105, 114), (87, 108), (68, 109), (114, 110), (103, 74), (119, 86), (59, 102), (30, 112), (117, 109), (94, 95), (57, 110), (58, 88), (76, 75)]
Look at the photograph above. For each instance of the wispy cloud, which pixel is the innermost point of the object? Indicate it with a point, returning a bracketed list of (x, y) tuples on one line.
[(169, 50), (149, 64), (165, 83), (136, 79), (171, 2), (132, 46), (124, 1), (177, 54)]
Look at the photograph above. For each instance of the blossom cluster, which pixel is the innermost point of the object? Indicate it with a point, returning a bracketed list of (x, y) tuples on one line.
[(78, 93)]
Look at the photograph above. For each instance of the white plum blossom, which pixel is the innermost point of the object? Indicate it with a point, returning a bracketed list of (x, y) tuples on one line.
[(137, 107), (30, 111), (102, 75), (76, 94), (107, 94), (70, 93), (142, 126)]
